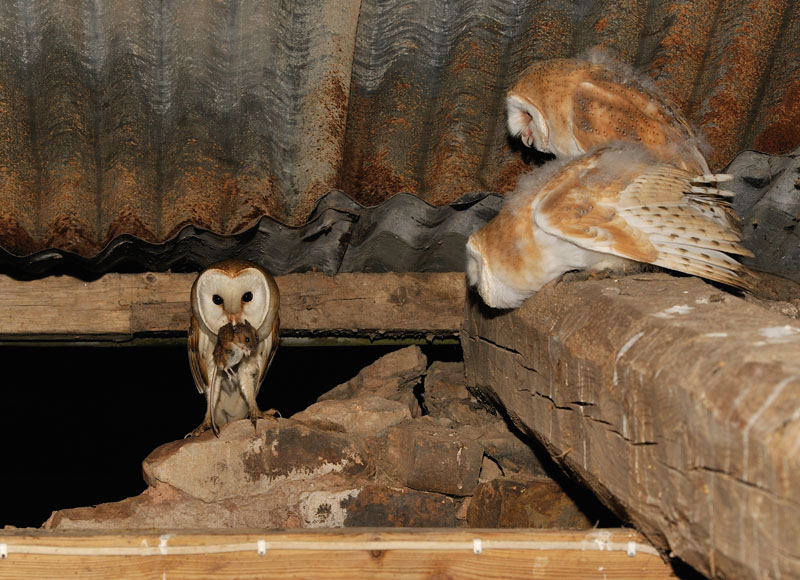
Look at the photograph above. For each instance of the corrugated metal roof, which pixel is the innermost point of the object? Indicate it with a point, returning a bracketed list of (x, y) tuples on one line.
[(403, 234), (145, 117), (407, 234)]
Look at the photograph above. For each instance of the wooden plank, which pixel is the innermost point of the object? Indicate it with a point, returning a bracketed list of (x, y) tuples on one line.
[(332, 554), (121, 306), (672, 400)]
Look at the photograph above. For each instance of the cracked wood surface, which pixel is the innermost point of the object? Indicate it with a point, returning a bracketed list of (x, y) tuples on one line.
[(671, 399), (122, 306)]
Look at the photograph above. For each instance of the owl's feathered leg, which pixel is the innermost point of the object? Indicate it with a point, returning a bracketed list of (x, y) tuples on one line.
[(247, 387), (212, 399), (272, 414), (202, 427)]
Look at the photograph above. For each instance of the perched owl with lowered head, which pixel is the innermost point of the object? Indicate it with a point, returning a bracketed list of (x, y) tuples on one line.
[(568, 106), (235, 293), (607, 209)]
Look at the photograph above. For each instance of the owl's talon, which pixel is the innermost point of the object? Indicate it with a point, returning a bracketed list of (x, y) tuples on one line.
[(272, 414), (199, 430), (573, 276)]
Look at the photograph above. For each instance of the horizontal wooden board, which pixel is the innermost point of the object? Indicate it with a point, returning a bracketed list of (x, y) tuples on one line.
[(676, 402), (120, 307), (331, 554)]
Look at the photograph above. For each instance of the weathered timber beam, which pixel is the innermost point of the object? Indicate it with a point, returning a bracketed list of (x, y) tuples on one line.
[(119, 307), (669, 398), (332, 554)]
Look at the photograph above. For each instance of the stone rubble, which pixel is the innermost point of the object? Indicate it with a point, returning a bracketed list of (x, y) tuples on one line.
[(402, 444)]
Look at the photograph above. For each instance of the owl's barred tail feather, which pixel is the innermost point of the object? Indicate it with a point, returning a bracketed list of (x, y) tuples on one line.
[(697, 235)]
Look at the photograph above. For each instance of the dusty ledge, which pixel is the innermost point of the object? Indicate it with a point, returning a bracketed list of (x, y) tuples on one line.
[(676, 402)]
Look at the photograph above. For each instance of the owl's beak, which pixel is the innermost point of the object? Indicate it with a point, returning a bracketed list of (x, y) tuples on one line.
[(527, 137), (235, 318)]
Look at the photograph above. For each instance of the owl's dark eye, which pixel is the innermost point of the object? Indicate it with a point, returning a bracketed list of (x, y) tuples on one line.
[(217, 299), (247, 297)]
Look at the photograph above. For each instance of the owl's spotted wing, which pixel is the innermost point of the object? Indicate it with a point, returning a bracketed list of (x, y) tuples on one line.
[(571, 106), (198, 345), (648, 212), (607, 109)]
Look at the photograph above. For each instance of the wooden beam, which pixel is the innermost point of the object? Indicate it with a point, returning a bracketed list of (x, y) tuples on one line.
[(331, 554), (671, 399), (119, 307)]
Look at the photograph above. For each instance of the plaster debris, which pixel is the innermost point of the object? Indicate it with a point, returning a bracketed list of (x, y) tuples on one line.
[(323, 509), (779, 332), (679, 309)]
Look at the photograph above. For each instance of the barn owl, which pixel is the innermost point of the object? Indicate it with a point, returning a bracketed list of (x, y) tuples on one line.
[(232, 292), (607, 209), (569, 106)]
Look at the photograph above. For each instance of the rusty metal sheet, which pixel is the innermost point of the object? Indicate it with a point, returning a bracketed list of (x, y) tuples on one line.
[(403, 234), (142, 118), (407, 234)]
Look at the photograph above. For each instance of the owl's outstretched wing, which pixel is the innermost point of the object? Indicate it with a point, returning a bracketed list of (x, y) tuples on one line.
[(197, 346), (612, 202)]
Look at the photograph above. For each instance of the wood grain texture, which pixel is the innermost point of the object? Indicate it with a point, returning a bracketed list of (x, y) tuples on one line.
[(122, 306), (332, 554), (672, 400)]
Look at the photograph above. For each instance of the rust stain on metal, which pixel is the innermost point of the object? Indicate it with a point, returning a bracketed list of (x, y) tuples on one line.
[(781, 135), (335, 98), (677, 67), (254, 197), (377, 180), (742, 66), (507, 179)]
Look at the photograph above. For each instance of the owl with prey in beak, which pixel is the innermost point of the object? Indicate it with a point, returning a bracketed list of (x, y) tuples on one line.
[(235, 313)]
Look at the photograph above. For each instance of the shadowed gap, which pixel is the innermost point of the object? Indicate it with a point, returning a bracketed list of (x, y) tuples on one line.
[(80, 420)]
